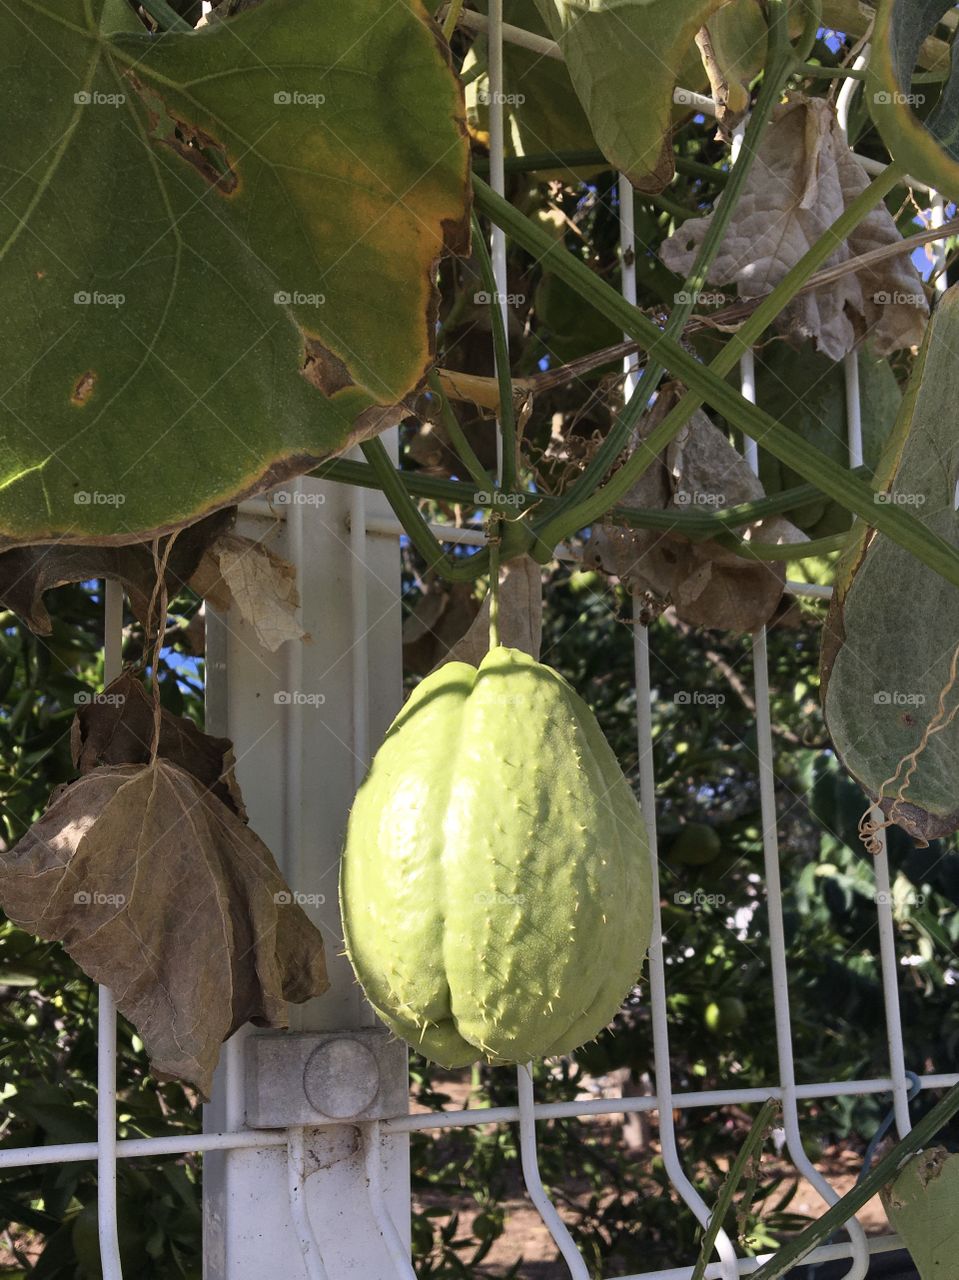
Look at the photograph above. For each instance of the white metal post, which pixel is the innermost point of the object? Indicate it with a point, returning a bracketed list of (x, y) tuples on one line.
[(298, 766)]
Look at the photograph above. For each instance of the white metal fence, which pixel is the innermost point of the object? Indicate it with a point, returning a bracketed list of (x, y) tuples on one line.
[(328, 1200)]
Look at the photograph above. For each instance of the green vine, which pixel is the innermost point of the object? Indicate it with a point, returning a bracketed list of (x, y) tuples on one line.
[(830, 478), (747, 1152), (506, 417), (796, 1249), (780, 62)]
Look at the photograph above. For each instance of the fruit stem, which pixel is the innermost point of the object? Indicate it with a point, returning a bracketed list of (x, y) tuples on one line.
[(494, 544)]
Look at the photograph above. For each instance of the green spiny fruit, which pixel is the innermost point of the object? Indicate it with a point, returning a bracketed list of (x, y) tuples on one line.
[(496, 886)]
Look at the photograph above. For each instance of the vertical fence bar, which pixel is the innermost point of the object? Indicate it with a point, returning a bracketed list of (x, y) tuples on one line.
[(531, 1176), (888, 958), (644, 730), (497, 176), (361, 626), (777, 936), (106, 1010), (534, 1183), (657, 971)]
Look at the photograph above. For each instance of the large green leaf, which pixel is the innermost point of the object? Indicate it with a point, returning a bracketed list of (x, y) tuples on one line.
[(919, 124), (893, 624), (216, 250), (543, 113), (805, 391), (624, 58), (921, 1205)]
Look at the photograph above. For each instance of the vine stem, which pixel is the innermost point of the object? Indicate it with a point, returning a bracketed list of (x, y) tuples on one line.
[(753, 1144), (451, 19), (694, 525), (779, 66), (494, 541), (796, 1249), (457, 435), (507, 413), (411, 518), (159, 601), (591, 158), (709, 383), (165, 16), (739, 343)]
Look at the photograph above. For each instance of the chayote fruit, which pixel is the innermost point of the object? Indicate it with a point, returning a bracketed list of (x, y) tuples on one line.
[(496, 885)]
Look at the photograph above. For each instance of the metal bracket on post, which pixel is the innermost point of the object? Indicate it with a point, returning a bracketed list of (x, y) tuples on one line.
[(315, 1078)]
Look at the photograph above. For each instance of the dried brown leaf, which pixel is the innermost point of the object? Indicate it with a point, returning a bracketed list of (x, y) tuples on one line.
[(520, 615), (116, 727), (440, 617), (262, 585), (160, 892), (804, 177), (708, 584), (27, 572)]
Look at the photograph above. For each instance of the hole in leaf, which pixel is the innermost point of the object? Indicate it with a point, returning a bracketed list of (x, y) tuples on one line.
[(324, 370), (83, 388)]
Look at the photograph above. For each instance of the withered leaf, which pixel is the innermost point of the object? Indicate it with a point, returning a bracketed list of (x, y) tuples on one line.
[(708, 584), (27, 572), (439, 618), (262, 585), (160, 892), (804, 177), (116, 727), (520, 615)]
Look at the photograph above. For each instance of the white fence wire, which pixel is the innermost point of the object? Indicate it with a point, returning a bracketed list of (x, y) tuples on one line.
[(107, 1150)]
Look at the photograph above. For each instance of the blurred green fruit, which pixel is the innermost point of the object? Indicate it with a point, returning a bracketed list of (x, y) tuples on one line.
[(696, 845), (725, 1015)]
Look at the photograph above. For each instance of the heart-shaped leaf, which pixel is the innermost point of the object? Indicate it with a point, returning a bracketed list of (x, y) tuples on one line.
[(919, 123), (893, 624), (117, 725), (624, 58), (804, 179), (158, 890), (216, 251)]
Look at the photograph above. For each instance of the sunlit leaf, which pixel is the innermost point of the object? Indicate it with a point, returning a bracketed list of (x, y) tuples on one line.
[(217, 250)]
